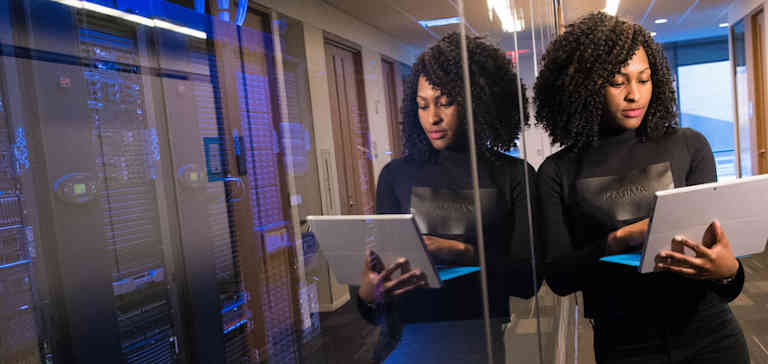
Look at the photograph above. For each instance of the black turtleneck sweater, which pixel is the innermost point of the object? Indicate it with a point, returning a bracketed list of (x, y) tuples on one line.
[(439, 194), (585, 196)]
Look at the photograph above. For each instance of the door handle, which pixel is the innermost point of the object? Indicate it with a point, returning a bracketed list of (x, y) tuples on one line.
[(239, 144)]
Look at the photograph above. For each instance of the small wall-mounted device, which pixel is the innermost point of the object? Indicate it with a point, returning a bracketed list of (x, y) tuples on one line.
[(76, 188), (192, 176)]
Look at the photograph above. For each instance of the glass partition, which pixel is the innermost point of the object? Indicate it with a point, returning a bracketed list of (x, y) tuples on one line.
[(193, 181), (522, 30)]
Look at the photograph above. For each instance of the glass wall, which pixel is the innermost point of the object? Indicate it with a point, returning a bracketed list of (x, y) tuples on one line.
[(697, 64), (193, 182), (710, 111)]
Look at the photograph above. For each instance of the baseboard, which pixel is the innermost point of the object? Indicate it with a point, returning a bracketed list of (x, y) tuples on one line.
[(325, 307)]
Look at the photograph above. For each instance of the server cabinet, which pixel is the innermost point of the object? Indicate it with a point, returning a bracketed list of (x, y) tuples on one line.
[(94, 177)]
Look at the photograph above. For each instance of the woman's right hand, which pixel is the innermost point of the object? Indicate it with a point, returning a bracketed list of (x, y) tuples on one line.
[(377, 285), (627, 238)]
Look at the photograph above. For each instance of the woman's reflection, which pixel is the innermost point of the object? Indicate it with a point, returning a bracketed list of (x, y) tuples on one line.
[(433, 181), (606, 94)]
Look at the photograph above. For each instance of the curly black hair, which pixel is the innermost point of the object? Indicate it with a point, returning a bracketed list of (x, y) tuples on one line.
[(494, 91), (577, 66)]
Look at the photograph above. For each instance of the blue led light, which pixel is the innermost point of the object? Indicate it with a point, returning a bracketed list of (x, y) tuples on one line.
[(233, 306), (241, 323), (270, 226), (20, 262)]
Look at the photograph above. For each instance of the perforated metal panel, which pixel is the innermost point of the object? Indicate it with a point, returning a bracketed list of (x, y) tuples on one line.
[(229, 285), (18, 333), (128, 164)]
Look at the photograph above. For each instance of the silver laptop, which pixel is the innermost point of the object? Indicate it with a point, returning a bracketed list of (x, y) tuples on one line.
[(741, 207), (344, 240)]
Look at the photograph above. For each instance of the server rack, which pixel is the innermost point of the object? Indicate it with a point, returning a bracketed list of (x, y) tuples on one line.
[(95, 166), (18, 334), (97, 232)]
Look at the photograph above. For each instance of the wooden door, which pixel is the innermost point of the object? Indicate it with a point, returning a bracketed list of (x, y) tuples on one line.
[(761, 133), (350, 129), (393, 93)]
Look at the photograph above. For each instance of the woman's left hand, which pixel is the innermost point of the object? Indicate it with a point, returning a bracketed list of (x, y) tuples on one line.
[(714, 257), (446, 251)]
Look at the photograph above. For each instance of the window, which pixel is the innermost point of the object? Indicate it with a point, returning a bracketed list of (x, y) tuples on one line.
[(708, 108)]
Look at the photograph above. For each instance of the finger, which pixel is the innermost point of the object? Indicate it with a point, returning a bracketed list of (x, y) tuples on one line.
[(372, 262), (413, 277), (683, 271), (377, 263), (719, 233), (700, 250), (710, 237), (670, 257), (406, 267), (718, 229), (368, 261), (689, 272), (402, 291), (387, 273)]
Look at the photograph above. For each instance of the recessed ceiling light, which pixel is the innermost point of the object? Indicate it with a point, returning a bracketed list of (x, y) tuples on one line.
[(611, 7), (653, 34), (511, 19), (723, 25), (439, 22), (660, 21)]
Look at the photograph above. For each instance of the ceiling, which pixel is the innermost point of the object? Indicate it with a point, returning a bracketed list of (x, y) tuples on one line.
[(399, 18), (687, 19)]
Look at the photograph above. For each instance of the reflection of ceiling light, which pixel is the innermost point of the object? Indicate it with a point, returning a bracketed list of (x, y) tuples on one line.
[(133, 17), (723, 25), (179, 29), (511, 19), (611, 7), (660, 21), (439, 22), (653, 34)]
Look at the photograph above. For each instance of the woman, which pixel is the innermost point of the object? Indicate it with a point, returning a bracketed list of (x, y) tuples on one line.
[(605, 93), (433, 181)]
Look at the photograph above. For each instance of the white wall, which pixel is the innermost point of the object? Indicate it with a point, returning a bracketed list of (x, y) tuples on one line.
[(740, 8), (377, 110), (318, 17), (330, 19)]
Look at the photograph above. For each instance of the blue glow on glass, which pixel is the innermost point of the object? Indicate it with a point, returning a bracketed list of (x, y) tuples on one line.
[(20, 153)]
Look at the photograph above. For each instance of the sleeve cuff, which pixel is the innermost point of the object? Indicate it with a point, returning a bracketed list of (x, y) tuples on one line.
[(731, 289)]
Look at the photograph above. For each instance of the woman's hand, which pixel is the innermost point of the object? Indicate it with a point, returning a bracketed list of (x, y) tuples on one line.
[(450, 252), (377, 285), (714, 257), (627, 238)]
